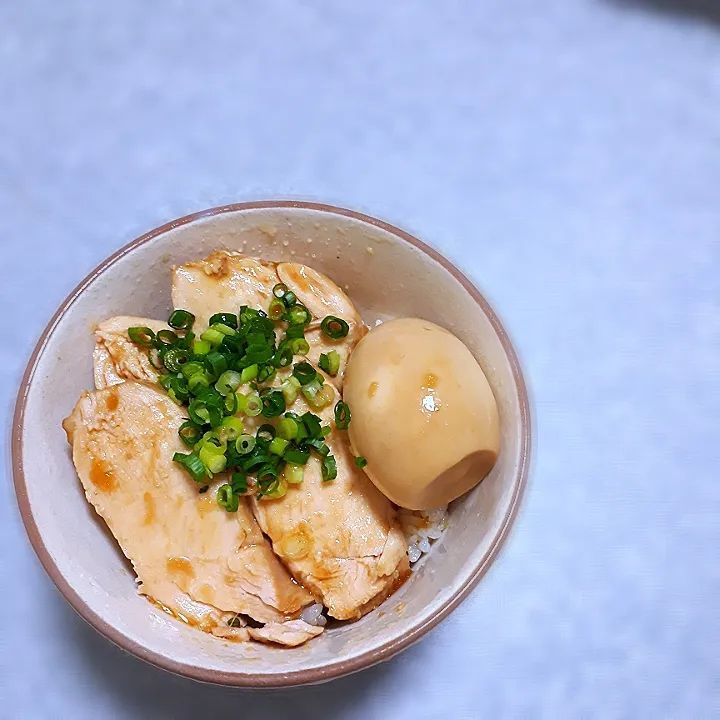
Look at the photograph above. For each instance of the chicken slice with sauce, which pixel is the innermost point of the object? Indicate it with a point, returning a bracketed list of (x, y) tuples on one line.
[(339, 539), (322, 297), (222, 283), (225, 281), (191, 556), (116, 358)]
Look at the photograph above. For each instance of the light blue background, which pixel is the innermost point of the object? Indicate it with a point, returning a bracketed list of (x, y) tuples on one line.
[(567, 155)]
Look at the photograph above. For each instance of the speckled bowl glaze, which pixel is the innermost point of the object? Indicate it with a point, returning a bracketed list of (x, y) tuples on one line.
[(387, 273)]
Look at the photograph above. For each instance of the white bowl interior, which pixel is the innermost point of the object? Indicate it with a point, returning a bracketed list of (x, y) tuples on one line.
[(386, 276)]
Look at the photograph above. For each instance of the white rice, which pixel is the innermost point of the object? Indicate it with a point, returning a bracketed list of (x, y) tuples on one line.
[(312, 615), (422, 528)]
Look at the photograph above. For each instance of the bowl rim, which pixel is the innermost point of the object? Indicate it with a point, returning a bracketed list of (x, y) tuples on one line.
[(298, 677)]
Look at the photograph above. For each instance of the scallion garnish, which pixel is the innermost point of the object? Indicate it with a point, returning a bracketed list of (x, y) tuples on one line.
[(273, 404), (342, 415), (228, 319), (334, 327), (166, 337), (227, 499), (190, 433), (330, 362), (205, 373), (192, 463), (181, 320), (360, 461), (304, 372), (141, 336)]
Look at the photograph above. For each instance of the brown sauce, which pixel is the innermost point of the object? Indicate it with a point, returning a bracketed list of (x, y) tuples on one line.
[(372, 389), (101, 476), (180, 566), (149, 509), (111, 402)]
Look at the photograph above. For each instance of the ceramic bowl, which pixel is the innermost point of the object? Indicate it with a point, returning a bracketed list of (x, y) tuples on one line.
[(388, 273)]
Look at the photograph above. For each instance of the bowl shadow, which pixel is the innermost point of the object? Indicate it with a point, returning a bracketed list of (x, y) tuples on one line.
[(147, 691), (703, 10)]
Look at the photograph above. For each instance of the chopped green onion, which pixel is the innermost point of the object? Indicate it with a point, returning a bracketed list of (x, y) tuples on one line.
[(201, 347), (198, 381), (222, 328), (185, 342), (293, 474), (191, 368), (226, 319), (329, 468), (360, 461), (296, 456), (318, 446), (213, 442), (342, 415), (295, 331), (278, 446), (230, 428), (276, 309), (247, 314), (213, 462), (280, 290), (190, 433), (166, 338), (283, 357), (228, 382), (192, 463), (216, 364), (249, 373), (304, 372), (266, 433), (181, 320), (287, 429), (227, 499), (271, 486), (179, 388), (258, 458), (300, 346), (318, 396), (164, 381), (174, 358), (334, 327), (266, 373), (213, 336), (330, 363), (245, 444), (202, 413), (289, 298), (312, 424), (298, 315), (273, 404), (253, 405), (232, 403), (290, 389), (238, 480), (141, 335), (259, 354)]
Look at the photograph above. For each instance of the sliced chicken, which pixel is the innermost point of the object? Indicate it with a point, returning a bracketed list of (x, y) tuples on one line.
[(222, 283), (116, 357), (191, 556), (290, 634), (322, 297), (339, 539)]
